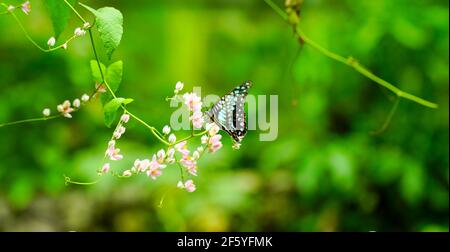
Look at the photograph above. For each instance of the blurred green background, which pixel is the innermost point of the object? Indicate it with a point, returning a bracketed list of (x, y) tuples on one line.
[(325, 172)]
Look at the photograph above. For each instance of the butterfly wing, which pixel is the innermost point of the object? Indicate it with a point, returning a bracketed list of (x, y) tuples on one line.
[(229, 112)]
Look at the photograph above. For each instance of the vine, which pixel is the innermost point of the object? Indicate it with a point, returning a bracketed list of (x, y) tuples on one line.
[(292, 17), (108, 21)]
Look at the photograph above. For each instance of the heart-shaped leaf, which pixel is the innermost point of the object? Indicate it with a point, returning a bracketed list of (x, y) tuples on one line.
[(109, 22)]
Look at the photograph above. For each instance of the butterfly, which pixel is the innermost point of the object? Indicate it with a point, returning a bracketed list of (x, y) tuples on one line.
[(228, 113)]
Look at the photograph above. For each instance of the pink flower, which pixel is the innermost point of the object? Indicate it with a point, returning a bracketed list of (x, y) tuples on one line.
[(118, 132), (101, 88), (125, 118), (141, 165), (182, 148), (154, 173), (189, 185), (105, 168), (26, 7), (112, 152), (192, 101), (197, 119), (212, 128), (214, 143), (154, 164), (190, 164), (65, 109)]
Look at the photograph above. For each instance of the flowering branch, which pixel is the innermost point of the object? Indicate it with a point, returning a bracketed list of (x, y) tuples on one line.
[(293, 19), (110, 35)]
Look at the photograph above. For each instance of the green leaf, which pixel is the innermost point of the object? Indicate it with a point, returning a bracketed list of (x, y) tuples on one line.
[(59, 14), (109, 22), (110, 109), (114, 78), (96, 75)]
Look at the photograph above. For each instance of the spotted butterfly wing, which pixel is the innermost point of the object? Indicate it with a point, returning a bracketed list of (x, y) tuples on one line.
[(229, 112)]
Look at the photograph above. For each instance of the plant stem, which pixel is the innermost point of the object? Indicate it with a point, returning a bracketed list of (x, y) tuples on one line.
[(351, 62), (75, 11), (30, 120)]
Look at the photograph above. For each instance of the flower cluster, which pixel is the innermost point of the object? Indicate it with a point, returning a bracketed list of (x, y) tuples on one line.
[(176, 152), (25, 7), (112, 152), (212, 139), (66, 108), (78, 32)]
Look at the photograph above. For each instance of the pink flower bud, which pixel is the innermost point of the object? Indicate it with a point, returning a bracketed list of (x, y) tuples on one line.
[(189, 185), (125, 118), (26, 7), (105, 168), (79, 32)]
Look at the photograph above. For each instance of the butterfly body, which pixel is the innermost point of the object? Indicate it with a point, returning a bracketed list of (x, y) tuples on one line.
[(229, 114)]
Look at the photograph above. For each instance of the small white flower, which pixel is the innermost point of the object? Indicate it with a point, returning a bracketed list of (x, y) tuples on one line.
[(195, 155), (76, 103), (79, 32), (85, 97), (46, 112), (51, 41), (172, 138), (204, 139), (200, 149), (180, 184), (166, 130), (178, 87), (86, 25), (11, 8), (64, 46), (126, 173)]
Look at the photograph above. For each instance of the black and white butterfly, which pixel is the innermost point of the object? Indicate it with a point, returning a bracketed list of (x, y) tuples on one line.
[(228, 113)]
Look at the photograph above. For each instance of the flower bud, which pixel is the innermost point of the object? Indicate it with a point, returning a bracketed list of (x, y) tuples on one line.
[(85, 97), (76, 103), (46, 112), (166, 130), (51, 41)]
